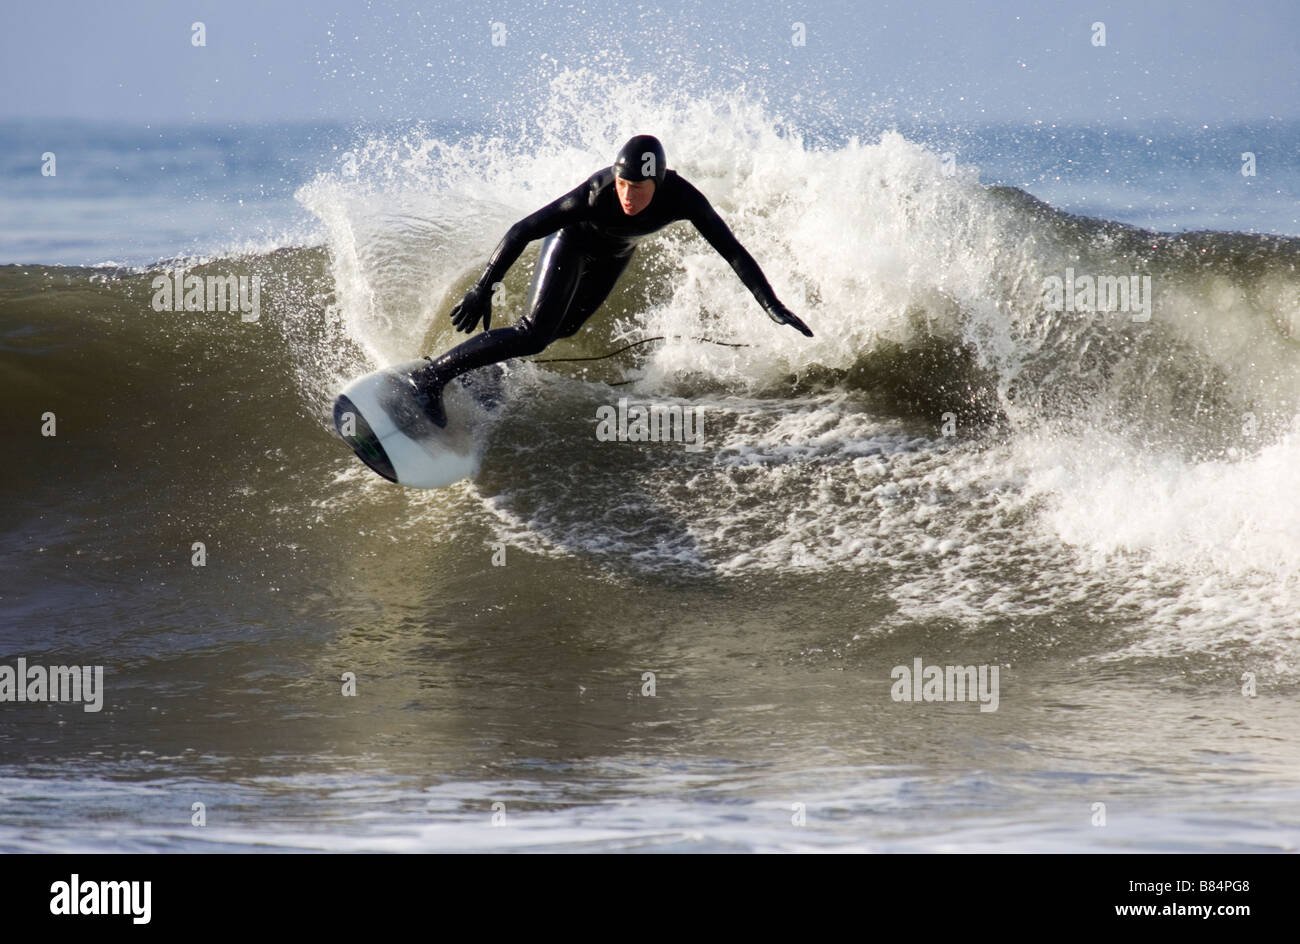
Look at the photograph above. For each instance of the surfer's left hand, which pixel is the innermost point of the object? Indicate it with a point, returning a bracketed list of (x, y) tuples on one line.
[(782, 315)]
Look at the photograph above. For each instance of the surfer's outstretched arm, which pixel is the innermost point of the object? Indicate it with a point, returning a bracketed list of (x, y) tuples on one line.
[(477, 303), (722, 239)]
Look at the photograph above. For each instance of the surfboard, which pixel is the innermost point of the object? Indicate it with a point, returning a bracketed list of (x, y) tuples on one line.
[(381, 416)]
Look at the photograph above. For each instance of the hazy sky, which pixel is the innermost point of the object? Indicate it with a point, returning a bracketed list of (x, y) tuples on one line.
[(957, 61)]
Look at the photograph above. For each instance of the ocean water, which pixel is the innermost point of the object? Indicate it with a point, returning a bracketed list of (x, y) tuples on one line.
[(631, 645)]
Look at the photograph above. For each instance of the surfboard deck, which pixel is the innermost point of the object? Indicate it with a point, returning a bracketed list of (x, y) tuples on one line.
[(381, 416)]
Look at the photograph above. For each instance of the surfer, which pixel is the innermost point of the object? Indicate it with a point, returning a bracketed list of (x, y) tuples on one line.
[(592, 232)]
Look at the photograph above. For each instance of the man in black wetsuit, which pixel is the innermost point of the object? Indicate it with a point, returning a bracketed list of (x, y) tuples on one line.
[(596, 227)]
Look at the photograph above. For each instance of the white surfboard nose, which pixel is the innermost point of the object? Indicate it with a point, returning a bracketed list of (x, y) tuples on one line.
[(381, 418)]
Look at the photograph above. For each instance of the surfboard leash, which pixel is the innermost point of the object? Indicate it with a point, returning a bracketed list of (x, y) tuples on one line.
[(628, 347)]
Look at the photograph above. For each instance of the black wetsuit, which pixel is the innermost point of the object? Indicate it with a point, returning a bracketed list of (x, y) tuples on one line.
[(593, 241)]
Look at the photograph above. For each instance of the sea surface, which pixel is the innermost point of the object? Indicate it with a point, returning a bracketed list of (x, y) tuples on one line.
[(635, 646)]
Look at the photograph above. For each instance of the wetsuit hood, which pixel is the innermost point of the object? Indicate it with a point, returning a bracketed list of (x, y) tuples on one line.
[(642, 158)]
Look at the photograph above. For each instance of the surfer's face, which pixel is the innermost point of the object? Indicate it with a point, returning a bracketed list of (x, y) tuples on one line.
[(634, 195)]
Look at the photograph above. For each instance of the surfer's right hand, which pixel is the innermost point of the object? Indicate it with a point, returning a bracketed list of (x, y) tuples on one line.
[(475, 306)]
